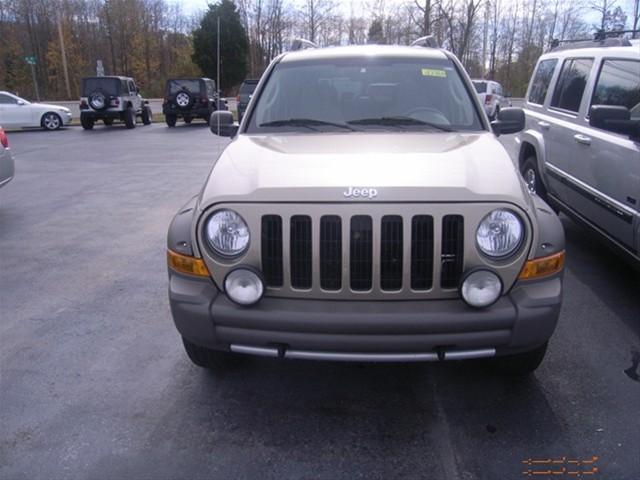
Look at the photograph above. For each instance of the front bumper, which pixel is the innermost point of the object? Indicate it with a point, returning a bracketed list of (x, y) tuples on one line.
[(522, 320), (66, 117)]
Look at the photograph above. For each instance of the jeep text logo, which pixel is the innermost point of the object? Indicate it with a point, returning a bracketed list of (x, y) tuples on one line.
[(361, 193)]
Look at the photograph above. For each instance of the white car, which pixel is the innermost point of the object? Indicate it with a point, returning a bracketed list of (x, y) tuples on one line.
[(16, 112), (7, 166), (491, 95)]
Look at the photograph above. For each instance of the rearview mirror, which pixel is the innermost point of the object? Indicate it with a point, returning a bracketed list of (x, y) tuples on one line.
[(222, 124), (615, 119), (510, 120)]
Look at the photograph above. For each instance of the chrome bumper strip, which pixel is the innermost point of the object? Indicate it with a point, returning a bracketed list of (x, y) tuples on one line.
[(365, 357), (260, 351)]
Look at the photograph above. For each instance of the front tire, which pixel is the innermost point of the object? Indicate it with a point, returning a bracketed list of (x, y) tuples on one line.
[(130, 118), (206, 358), (522, 364), (86, 122), (147, 117), (171, 120), (51, 121), (531, 176)]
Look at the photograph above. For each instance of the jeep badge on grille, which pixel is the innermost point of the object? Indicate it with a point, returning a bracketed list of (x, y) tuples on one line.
[(369, 193)]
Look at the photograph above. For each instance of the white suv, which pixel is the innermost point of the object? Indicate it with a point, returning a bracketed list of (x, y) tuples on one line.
[(580, 149), (491, 96)]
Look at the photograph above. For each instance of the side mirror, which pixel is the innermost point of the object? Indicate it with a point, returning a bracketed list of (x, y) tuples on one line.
[(221, 123), (21, 102), (510, 120), (615, 119)]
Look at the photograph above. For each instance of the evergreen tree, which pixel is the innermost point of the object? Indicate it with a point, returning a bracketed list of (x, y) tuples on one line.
[(234, 45), (376, 32)]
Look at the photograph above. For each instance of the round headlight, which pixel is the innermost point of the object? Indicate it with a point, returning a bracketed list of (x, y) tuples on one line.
[(244, 286), (499, 233), (481, 288), (227, 233)]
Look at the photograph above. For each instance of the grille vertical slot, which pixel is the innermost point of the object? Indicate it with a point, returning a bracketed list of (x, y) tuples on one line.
[(391, 252), (272, 250), (300, 251), (422, 252), (452, 250), (361, 253), (330, 252)]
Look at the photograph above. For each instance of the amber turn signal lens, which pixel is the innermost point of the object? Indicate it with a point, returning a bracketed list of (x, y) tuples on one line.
[(189, 265), (542, 267)]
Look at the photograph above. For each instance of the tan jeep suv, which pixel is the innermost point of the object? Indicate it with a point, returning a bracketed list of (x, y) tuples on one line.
[(366, 211)]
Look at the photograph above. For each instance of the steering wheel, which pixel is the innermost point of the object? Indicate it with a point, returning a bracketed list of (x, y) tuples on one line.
[(428, 114)]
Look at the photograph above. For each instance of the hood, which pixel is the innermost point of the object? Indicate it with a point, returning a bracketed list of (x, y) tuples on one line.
[(401, 167), (49, 106)]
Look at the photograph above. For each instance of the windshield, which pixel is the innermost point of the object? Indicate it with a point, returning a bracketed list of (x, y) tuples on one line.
[(192, 86), (481, 87), (366, 93), (248, 87), (107, 85)]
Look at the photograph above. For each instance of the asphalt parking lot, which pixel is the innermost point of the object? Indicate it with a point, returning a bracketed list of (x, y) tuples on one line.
[(95, 384)]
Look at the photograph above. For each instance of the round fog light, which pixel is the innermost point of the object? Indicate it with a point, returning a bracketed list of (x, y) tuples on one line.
[(244, 286), (481, 288)]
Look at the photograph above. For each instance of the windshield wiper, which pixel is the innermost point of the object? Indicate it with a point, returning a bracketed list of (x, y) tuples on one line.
[(398, 122), (305, 122)]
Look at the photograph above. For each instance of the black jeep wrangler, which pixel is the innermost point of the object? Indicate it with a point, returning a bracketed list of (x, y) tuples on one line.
[(190, 98), (112, 98)]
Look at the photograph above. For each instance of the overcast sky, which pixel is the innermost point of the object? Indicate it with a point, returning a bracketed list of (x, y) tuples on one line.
[(195, 6)]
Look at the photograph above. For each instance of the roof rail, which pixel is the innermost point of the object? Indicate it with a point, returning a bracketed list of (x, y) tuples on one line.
[(302, 44), (600, 39), (428, 41)]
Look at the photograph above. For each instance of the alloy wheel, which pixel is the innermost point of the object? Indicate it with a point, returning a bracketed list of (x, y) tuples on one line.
[(51, 121)]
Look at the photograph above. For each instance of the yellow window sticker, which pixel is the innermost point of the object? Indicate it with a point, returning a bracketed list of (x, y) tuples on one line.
[(434, 72)]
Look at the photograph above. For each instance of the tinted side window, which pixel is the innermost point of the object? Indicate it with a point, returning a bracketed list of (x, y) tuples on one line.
[(619, 84), (571, 82), (7, 100), (541, 80), (132, 87), (211, 89)]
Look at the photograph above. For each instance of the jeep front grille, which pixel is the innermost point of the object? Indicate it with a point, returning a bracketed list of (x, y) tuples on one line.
[(364, 250), (384, 238)]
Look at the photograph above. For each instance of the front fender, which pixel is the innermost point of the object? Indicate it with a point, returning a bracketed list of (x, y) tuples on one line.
[(179, 236), (550, 238), (533, 140)]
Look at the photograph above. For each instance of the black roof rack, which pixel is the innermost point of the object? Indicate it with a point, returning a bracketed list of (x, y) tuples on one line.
[(428, 41), (600, 39), (302, 44)]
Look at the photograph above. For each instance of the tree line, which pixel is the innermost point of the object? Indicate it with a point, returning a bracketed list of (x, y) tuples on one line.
[(152, 40), (149, 40)]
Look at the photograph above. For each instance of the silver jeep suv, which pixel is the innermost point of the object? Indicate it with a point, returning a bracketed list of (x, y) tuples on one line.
[(580, 150), (366, 211), (112, 98)]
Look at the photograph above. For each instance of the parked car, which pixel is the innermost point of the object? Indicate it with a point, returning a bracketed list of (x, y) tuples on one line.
[(7, 166), (366, 211), (491, 96), (244, 95), (112, 98), (16, 112), (190, 98), (580, 150)]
